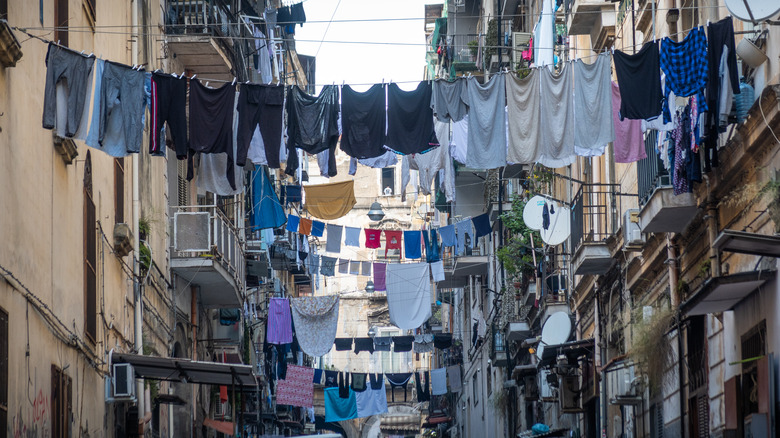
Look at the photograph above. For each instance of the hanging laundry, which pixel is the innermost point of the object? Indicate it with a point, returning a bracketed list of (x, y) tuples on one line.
[(523, 104), (685, 63), (423, 343), (334, 238), (354, 267), (487, 128), (364, 344), (317, 228), (328, 266), (343, 344), (365, 268), (402, 344), (372, 401), (316, 320), (629, 145), (442, 341), (639, 78), (313, 263), (380, 272), (431, 246), (481, 225), (261, 57), (352, 236), (410, 120), (722, 84), (398, 380), (446, 100), (438, 161), (373, 238), (305, 226), (292, 223), (297, 389), (312, 125), (557, 118), (408, 294), (330, 201), (439, 381), (211, 168), (343, 266), (593, 128), (363, 121), (211, 123), (448, 236), (291, 194), (437, 271), (412, 244), (337, 408), (459, 143), (382, 343), (387, 159), (465, 241), (317, 376), (266, 212), (359, 383), (169, 102), (279, 321), (423, 387), (122, 108), (392, 240), (454, 379), (260, 107), (331, 377), (74, 69)]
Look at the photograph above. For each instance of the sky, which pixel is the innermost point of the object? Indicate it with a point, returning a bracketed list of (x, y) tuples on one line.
[(355, 62)]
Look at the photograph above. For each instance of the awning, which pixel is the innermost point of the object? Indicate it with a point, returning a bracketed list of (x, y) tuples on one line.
[(573, 350), (225, 427), (184, 370), (521, 371), (748, 243), (723, 293)]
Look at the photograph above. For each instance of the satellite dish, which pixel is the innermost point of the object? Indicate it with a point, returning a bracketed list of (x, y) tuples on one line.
[(753, 10), (532, 213), (556, 330), (560, 227)]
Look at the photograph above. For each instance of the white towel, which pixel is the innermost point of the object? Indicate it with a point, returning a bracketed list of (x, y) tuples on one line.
[(408, 294), (439, 381)]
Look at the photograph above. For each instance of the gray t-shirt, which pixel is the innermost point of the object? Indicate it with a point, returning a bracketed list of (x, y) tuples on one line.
[(593, 128), (446, 101), (487, 123), (522, 104), (557, 119)]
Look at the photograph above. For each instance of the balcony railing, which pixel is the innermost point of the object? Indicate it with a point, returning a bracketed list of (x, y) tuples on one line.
[(203, 18), (205, 231), (594, 213), (650, 172), (461, 49)]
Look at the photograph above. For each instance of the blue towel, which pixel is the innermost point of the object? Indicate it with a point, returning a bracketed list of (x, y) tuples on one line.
[(431, 246), (481, 225), (267, 212), (291, 193), (337, 408), (448, 235), (317, 228), (412, 244), (317, 376), (464, 229), (292, 223)]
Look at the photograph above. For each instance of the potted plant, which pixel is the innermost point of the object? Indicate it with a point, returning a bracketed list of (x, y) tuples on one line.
[(473, 47)]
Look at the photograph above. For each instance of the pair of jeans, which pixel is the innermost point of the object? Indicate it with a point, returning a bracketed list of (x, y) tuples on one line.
[(74, 68)]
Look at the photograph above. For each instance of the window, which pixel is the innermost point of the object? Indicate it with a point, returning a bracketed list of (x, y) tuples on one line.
[(393, 362), (90, 255), (753, 346), (3, 370), (119, 190), (89, 9), (474, 388), (61, 399), (4, 9), (61, 21), (388, 181)]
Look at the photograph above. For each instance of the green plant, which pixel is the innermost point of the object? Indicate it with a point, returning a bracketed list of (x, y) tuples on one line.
[(500, 400), (704, 268), (144, 227), (491, 39), (651, 350), (772, 191), (145, 258), (516, 254), (473, 47)]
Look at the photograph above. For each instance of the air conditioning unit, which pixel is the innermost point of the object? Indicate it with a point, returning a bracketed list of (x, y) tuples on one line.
[(519, 43), (531, 390), (123, 380), (633, 239)]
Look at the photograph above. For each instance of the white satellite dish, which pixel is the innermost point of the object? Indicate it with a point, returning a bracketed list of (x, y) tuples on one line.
[(560, 227), (556, 330), (532, 213), (753, 10)]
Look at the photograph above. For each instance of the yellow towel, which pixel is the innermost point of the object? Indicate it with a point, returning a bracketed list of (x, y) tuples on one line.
[(330, 201)]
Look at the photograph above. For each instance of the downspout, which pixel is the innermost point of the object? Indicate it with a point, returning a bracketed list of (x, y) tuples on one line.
[(674, 294), (138, 302), (711, 219), (194, 326), (597, 363)]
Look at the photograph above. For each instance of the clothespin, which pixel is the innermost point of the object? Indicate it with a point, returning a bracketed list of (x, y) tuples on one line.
[(82, 52), (207, 83), (193, 76), (91, 54), (182, 75), (234, 81)]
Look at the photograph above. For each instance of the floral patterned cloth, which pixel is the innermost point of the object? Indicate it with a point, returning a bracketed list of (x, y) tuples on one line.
[(423, 343), (298, 388), (316, 320)]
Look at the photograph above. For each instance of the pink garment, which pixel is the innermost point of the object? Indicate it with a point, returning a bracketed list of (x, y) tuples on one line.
[(629, 144), (529, 54), (297, 389), (380, 271), (279, 321)]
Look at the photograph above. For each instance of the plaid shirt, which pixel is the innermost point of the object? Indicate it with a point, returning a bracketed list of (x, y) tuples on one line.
[(685, 63)]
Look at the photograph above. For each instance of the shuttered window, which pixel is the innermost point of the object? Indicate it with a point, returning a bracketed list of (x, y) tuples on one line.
[(90, 255), (119, 190), (61, 403), (3, 370), (61, 21)]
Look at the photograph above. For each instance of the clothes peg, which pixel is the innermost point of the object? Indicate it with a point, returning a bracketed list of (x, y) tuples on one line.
[(194, 76), (82, 52), (182, 75), (91, 54), (234, 81), (207, 84)]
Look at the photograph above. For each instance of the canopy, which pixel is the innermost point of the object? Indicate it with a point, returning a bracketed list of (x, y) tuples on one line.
[(185, 370)]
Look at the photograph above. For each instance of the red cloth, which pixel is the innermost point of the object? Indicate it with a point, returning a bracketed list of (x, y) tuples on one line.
[(223, 394), (373, 238), (298, 388), (392, 240)]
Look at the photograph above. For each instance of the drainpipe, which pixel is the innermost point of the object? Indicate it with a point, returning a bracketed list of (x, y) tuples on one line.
[(671, 263), (194, 325), (711, 219), (597, 363), (671, 266), (138, 301)]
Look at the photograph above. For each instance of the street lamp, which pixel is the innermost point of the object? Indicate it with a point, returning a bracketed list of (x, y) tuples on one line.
[(375, 212)]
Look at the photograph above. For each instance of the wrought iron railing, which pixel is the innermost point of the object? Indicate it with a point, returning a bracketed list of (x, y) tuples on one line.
[(594, 215), (650, 172), (203, 17)]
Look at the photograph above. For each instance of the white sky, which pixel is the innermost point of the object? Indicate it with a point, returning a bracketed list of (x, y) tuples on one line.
[(356, 62)]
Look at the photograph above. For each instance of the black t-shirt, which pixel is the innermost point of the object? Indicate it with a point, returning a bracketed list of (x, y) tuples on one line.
[(410, 119), (639, 80), (363, 121)]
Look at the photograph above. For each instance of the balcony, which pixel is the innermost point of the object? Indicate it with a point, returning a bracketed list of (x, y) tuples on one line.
[(661, 211), (596, 18), (498, 348), (198, 34), (457, 269), (593, 225), (208, 253)]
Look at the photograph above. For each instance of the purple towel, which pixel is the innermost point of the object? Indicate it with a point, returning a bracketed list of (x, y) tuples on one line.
[(380, 269), (279, 321)]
